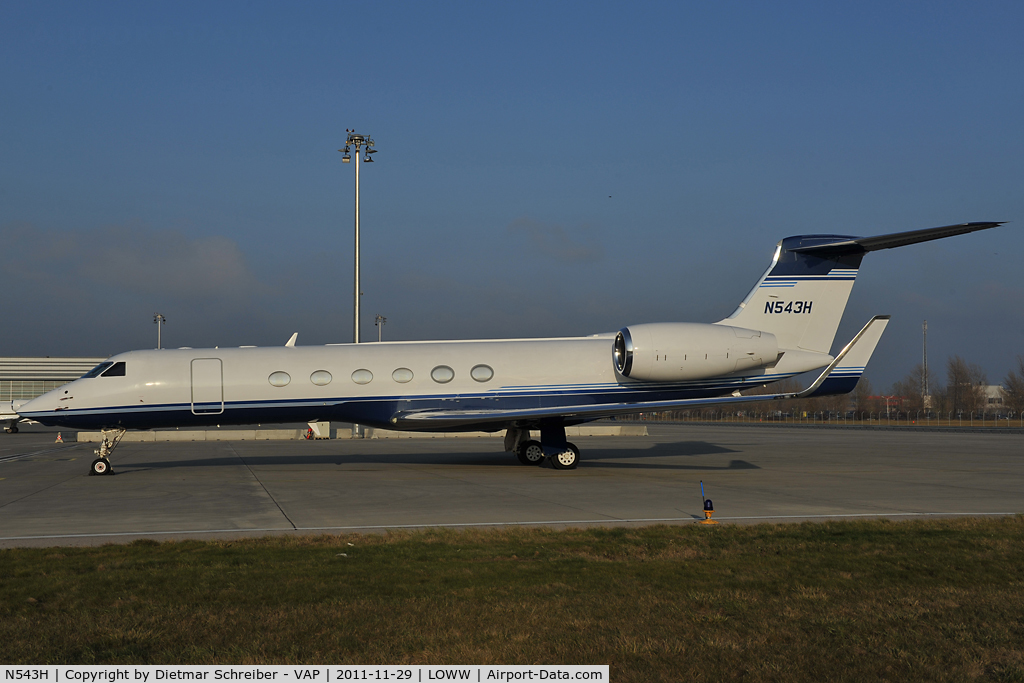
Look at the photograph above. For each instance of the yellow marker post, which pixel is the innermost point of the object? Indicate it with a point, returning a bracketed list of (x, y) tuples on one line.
[(709, 507)]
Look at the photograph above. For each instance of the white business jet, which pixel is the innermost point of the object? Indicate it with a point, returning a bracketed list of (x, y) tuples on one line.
[(784, 327)]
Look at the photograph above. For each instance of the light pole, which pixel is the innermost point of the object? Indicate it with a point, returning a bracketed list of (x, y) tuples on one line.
[(358, 141), (160, 320), (379, 322)]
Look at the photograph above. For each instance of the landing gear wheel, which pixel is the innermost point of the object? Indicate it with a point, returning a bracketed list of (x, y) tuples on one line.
[(13, 429), (567, 459), (100, 466), (530, 453)]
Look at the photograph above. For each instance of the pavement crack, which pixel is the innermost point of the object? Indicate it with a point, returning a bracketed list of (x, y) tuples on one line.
[(262, 485)]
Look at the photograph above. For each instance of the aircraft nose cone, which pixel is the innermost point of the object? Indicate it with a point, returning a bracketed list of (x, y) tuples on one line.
[(25, 408)]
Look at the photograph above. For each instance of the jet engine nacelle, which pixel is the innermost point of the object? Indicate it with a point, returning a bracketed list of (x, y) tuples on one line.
[(667, 352)]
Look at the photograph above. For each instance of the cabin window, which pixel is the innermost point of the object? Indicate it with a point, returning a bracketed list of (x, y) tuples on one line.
[(280, 379), (95, 372), (482, 373), (115, 370), (402, 375), (362, 376), (321, 378), (442, 374)]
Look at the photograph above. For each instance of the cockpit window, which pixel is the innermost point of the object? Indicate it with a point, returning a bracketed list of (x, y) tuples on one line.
[(95, 372), (116, 370)]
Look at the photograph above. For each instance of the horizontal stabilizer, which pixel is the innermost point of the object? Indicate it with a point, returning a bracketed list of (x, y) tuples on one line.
[(860, 245), (844, 377), (854, 356)]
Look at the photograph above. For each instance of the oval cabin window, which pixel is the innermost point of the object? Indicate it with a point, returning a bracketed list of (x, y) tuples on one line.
[(402, 375), (442, 374), (321, 378), (280, 379), (482, 373), (362, 376)]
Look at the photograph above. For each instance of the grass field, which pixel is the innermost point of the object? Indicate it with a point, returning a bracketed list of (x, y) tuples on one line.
[(873, 600)]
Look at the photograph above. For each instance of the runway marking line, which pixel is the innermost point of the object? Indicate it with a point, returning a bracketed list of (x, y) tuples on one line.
[(501, 524), (9, 458)]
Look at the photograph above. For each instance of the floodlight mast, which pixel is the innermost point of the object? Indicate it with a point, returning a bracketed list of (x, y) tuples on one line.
[(358, 141)]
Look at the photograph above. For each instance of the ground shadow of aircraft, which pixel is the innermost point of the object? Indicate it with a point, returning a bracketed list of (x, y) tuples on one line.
[(607, 459)]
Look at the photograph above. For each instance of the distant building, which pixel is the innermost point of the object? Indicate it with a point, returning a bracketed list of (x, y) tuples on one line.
[(25, 378), (995, 396)]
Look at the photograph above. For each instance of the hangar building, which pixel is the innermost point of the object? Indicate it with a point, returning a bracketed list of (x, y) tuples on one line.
[(25, 378)]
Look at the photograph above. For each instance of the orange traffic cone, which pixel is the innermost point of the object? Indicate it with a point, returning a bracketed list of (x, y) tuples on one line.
[(59, 439)]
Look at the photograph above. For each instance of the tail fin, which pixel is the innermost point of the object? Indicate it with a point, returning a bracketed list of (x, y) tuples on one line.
[(801, 297)]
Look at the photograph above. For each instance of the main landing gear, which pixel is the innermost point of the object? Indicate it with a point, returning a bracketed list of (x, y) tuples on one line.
[(11, 428), (552, 447), (101, 465)]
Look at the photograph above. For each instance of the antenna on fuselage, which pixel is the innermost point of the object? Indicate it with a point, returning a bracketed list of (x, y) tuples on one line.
[(291, 340)]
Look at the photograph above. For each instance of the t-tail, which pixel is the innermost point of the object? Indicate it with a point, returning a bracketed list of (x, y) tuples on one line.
[(801, 297)]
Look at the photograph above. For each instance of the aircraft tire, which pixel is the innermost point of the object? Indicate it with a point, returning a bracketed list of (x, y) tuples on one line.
[(567, 459), (100, 466), (13, 429), (530, 453)]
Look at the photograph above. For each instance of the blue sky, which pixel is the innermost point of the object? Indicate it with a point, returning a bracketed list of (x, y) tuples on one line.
[(544, 168)]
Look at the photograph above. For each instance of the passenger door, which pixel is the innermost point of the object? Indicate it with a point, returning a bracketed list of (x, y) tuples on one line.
[(207, 386)]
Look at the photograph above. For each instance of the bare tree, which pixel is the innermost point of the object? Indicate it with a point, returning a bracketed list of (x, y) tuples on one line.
[(784, 387), (835, 404), (1013, 385), (911, 389), (862, 401), (965, 391)]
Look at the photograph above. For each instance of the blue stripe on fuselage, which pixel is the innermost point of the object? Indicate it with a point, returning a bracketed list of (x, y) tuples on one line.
[(377, 410)]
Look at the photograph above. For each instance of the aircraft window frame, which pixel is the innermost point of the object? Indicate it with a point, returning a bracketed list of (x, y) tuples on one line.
[(98, 370), (279, 378), (364, 376), (403, 378), (117, 369), (486, 369), (321, 378), (440, 369)]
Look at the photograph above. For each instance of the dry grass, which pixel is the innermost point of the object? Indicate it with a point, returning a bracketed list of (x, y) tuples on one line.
[(878, 600)]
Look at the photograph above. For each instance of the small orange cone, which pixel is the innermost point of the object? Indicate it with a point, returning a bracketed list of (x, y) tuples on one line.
[(59, 439)]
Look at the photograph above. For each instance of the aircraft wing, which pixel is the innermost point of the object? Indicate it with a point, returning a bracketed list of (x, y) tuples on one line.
[(849, 362)]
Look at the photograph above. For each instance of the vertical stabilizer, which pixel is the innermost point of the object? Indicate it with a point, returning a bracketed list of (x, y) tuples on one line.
[(802, 296)]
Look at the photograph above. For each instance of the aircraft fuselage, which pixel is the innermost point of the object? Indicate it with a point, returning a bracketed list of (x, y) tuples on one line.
[(364, 383)]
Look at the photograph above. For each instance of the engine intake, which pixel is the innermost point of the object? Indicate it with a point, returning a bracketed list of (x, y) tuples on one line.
[(668, 352)]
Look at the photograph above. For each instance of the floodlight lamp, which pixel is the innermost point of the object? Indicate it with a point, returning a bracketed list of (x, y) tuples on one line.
[(367, 159), (347, 157)]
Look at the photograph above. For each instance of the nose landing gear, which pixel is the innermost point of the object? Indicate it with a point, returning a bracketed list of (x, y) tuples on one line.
[(101, 465)]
